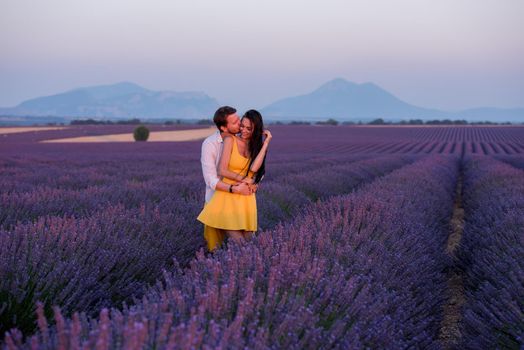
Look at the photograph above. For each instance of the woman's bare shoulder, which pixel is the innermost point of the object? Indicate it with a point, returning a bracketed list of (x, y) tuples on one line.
[(239, 139), (227, 136)]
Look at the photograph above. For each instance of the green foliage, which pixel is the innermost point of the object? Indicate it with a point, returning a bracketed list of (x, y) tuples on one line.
[(378, 121), (91, 121), (141, 133), (205, 122), (330, 121)]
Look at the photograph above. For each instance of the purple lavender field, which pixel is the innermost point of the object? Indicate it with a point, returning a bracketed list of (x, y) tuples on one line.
[(369, 237)]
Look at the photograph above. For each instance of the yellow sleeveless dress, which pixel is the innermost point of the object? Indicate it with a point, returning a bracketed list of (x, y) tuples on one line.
[(232, 211)]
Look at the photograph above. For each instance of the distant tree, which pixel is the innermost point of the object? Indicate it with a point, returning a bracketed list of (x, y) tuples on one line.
[(378, 121), (141, 133), (89, 121), (129, 121), (205, 122), (348, 122), (297, 122), (330, 121), (172, 122)]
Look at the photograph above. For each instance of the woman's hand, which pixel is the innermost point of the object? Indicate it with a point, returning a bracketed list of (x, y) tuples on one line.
[(268, 135), (248, 180)]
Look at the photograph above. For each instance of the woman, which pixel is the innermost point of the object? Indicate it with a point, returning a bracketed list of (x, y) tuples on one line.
[(242, 159)]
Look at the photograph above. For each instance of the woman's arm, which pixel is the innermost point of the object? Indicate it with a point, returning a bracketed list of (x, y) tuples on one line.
[(223, 169), (257, 163)]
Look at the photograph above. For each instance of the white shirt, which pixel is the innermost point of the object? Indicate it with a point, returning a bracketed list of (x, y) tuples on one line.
[(209, 158)]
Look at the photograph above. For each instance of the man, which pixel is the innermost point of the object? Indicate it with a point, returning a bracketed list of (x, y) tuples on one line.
[(227, 121)]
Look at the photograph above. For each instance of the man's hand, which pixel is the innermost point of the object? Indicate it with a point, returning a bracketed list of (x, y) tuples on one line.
[(253, 188), (242, 188)]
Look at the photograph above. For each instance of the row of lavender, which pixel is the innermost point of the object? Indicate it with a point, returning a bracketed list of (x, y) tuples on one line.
[(461, 140), (296, 133), (110, 253), (36, 187), (324, 134), (516, 161), (433, 147), (492, 255), (355, 271)]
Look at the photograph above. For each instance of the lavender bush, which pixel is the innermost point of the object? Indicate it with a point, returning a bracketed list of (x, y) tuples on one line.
[(134, 228), (65, 209), (492, 252), (355, 271), (516, 161), (86, 264), (283, 198)]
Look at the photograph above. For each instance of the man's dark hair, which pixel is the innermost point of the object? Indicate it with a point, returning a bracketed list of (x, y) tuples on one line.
[(221, 114)]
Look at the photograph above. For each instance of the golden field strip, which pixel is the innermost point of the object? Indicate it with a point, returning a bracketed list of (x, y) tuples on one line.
[(14, 130), (154, 136)]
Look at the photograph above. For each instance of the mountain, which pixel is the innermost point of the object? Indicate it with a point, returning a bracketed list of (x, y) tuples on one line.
[(338, 98), (342, 99), (123, 101)]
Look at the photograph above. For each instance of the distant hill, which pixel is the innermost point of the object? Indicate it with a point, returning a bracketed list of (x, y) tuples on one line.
[(342, 99), (123, 100), (339, 99)]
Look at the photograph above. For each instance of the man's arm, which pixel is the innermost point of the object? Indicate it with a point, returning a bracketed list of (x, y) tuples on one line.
[(240, 188), (209, 169)]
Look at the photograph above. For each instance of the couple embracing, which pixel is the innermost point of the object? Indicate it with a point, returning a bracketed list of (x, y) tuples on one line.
[(233, 163)]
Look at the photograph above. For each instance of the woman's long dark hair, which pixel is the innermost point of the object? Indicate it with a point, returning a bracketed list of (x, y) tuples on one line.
[(255, 143)]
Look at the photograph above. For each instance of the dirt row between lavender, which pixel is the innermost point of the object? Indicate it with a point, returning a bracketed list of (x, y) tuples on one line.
[(450, 334)]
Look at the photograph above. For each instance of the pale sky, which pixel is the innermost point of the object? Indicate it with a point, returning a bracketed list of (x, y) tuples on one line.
[(447, 54)]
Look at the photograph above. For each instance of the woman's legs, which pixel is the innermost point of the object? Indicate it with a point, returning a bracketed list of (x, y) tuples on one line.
[(239, 236), (236, 235), (214, 237)]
